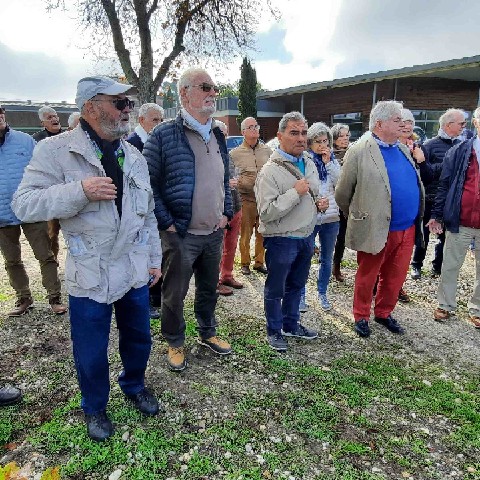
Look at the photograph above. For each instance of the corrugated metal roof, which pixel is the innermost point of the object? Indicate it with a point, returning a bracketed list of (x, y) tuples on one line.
[(459, 68)]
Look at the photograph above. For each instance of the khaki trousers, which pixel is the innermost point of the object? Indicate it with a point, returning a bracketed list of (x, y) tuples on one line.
[(37, 236), (456, 246), (249, 223)]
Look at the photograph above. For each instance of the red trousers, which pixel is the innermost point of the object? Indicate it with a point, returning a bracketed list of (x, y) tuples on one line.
[(390, 265), (230, 239)]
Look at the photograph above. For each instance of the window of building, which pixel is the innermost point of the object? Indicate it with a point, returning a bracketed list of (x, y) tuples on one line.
[(353, 120)]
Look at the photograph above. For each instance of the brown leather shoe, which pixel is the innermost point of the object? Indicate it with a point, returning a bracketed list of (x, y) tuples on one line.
[(245, 270), (22, 305), (176, 359), (337, 274), (231, 282), (403, 296), (57, 306), (475, 321), (440, 314), (223, 290)]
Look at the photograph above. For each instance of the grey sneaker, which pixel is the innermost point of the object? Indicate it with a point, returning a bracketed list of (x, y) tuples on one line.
[(416, 273), (324, 303), (302, 332), (277, 342), (303, 307)]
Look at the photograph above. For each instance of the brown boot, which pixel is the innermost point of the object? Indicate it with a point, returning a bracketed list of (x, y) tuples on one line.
[(337, 274), (22, 305), (57, 306)]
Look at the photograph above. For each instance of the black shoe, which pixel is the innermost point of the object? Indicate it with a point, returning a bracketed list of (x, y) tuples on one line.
[(416, 273), (154, 313), (9, 395), (362, 328), (278, 342), (301, 332), (145, 402), (435, 273), (99, 426), (261, 269), (390, 324)]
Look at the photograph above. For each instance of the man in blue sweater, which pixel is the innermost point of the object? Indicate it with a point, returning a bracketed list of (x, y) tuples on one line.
[(380, 188)]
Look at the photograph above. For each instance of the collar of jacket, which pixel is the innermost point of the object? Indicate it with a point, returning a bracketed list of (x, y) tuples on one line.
[(248, 146), (79, 143)]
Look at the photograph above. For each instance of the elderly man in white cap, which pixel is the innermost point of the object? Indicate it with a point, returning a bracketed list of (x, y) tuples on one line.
[(98, 186)]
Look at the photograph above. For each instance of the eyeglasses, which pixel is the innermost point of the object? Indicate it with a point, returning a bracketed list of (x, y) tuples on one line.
[(322, 142), (119, 103), (253, 127), (462, 124), (207, 87), (409, 122)]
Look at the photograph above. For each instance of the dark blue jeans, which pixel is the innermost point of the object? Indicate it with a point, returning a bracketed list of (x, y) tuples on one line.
[(288, 263), (90, 330)]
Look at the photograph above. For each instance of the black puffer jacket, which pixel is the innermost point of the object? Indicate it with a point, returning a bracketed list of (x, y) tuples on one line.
[(435, 151), (171, 164)]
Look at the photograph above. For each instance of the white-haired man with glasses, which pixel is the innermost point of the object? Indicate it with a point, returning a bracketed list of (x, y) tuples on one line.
[(98, 186), (249, 158), (188, 162)]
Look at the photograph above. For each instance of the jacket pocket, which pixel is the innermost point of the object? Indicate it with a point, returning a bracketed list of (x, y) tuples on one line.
[(82, 265), (141, 193), (139, 260), (358, 216)]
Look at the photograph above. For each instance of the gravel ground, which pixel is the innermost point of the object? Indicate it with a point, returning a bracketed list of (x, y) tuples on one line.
[(33, 343)]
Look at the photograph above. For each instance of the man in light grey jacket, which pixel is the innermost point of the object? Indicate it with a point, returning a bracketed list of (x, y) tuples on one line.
[(286, 190), (98, 187)]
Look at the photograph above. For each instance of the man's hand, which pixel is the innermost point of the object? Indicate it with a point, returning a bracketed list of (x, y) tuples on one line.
[(171, 228), (223, 222), (322, 204), (417, 154), (99, 188), (157, 273), (434, 226), (301, 186)]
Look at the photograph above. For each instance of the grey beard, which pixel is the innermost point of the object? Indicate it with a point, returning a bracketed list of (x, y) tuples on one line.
[(116, 131)]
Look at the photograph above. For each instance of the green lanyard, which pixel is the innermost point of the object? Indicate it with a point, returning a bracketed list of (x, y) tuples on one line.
[(119, 153)]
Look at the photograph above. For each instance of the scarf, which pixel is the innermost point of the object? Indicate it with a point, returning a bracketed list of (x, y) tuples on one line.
[(203, 130), (111, 156), (321, 167)]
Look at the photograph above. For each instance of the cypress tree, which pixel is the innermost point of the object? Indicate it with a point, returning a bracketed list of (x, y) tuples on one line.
[(247, 91)]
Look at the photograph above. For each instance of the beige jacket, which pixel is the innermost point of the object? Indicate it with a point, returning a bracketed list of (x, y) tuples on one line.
[(363, 191), (282, 211), (249, 161), (106, 257)]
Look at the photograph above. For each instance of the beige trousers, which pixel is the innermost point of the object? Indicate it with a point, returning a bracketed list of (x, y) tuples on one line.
[(456, 246)]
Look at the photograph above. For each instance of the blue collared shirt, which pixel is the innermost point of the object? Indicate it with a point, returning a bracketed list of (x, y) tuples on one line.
[(299, 162)]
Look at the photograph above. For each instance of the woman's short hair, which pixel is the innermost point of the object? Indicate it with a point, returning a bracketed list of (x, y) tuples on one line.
[(318, 129), (337, 130)]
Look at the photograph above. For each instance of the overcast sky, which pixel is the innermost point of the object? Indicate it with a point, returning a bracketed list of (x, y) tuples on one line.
[(41, 54)]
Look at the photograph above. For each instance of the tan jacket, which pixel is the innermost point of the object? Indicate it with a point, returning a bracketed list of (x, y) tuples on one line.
[(282, 211), (363, 192), (106, 257), (249, 161)]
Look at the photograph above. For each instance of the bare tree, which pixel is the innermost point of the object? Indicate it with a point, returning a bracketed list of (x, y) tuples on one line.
[(151, 38)]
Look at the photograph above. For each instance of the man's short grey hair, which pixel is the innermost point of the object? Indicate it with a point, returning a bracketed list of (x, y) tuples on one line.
[(146, 107), (290, 117), (188, 75), (73, 118), (318, 129), (476, 113), (449, 116), (408, 115), (44, 110), (384, 110), (337, 130), (242, 125)]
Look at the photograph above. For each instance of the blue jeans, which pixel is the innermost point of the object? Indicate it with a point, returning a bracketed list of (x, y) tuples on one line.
[(327, 234), (90, 330), (288, 263)]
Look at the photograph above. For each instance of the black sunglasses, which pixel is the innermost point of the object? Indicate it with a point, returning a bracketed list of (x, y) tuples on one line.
[(120, 103), (207, 87)]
